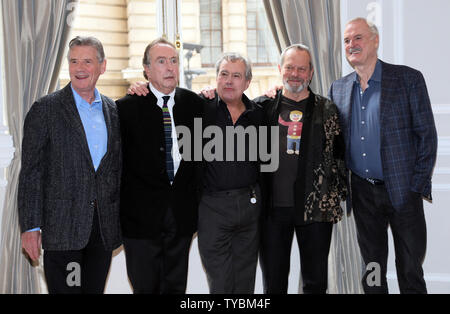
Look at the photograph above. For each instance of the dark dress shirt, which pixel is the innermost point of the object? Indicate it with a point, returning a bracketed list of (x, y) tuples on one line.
[(221, 175), (365, 136)]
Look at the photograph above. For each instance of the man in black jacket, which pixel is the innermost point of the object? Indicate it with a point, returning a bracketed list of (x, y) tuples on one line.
[(159, 192), (304, 194)]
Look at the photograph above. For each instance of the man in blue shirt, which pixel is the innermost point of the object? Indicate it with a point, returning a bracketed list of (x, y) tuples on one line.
[(70, 177), (391, 142), (365, 155)]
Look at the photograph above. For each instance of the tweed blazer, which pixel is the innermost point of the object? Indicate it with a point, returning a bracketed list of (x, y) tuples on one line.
[(408, 132), (58, 185)]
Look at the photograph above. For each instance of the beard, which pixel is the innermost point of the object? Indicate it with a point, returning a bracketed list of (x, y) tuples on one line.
[(296, 89)]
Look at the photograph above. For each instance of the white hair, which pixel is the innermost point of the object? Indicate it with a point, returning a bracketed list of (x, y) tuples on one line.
[(373, 28)]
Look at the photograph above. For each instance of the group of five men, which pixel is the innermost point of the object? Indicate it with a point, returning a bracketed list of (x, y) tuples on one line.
[(95, 173)]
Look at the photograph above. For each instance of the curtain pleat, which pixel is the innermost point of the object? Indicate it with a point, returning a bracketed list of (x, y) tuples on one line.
[(35, 36)]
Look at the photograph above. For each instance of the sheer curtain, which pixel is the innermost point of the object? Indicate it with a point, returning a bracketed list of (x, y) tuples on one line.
[(316, 23), (35, 35)]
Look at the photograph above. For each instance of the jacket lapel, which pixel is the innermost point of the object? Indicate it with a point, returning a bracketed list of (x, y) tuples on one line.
[(307, 132), (109, 130), (71, 115), (148, 108), (346, 110), (273, 110), (176, 109), (388, 83)]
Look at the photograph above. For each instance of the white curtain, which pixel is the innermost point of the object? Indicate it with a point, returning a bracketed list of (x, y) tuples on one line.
[(35, 35), (316, 23)]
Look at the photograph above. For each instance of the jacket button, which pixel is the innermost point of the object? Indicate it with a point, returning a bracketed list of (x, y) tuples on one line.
[(161, 149)]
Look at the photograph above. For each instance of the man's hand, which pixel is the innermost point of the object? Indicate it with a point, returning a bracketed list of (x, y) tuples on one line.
[(272, 92), (31, 243), (138, 88), (209, 92)]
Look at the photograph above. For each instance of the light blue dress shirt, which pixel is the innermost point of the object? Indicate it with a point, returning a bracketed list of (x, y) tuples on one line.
[(94, 126)]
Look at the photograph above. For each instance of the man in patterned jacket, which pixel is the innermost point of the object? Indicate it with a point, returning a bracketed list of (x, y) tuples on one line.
[(303, 195), (391, 142), (70, 177)]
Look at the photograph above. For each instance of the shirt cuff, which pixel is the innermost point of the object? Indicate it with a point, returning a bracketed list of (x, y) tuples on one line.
[(35, 229)]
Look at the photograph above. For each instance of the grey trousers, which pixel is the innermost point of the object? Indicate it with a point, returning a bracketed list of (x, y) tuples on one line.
[(228, 240)]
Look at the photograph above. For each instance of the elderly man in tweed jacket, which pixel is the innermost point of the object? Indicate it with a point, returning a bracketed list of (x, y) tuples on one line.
[(70, 177), (391, 143)]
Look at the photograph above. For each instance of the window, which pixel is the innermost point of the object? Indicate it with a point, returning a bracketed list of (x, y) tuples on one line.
[(210, 31), (261, 48)]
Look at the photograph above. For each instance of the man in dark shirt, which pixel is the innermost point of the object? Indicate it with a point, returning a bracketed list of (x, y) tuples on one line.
[(228, 229), (227, 171), (303, 195)]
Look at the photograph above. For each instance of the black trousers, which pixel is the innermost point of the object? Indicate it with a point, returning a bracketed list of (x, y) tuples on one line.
[(79, 272), (228, 240), (275, 253), (373, 214), (159, 265)]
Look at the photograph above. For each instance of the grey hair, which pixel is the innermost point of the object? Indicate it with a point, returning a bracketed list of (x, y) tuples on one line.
[(88, 41), (299, 47), (373, 28), (233, 57)]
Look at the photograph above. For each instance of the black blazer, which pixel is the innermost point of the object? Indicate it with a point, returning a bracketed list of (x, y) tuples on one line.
[(58, 183), (146, 193)]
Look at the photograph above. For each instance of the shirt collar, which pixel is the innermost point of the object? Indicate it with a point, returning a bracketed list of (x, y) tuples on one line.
[(249, 105), (309, 98), (79, 101), (376, 76), (158, 94)]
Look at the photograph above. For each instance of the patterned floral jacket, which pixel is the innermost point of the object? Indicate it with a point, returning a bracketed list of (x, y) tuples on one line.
[(321, 166)]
